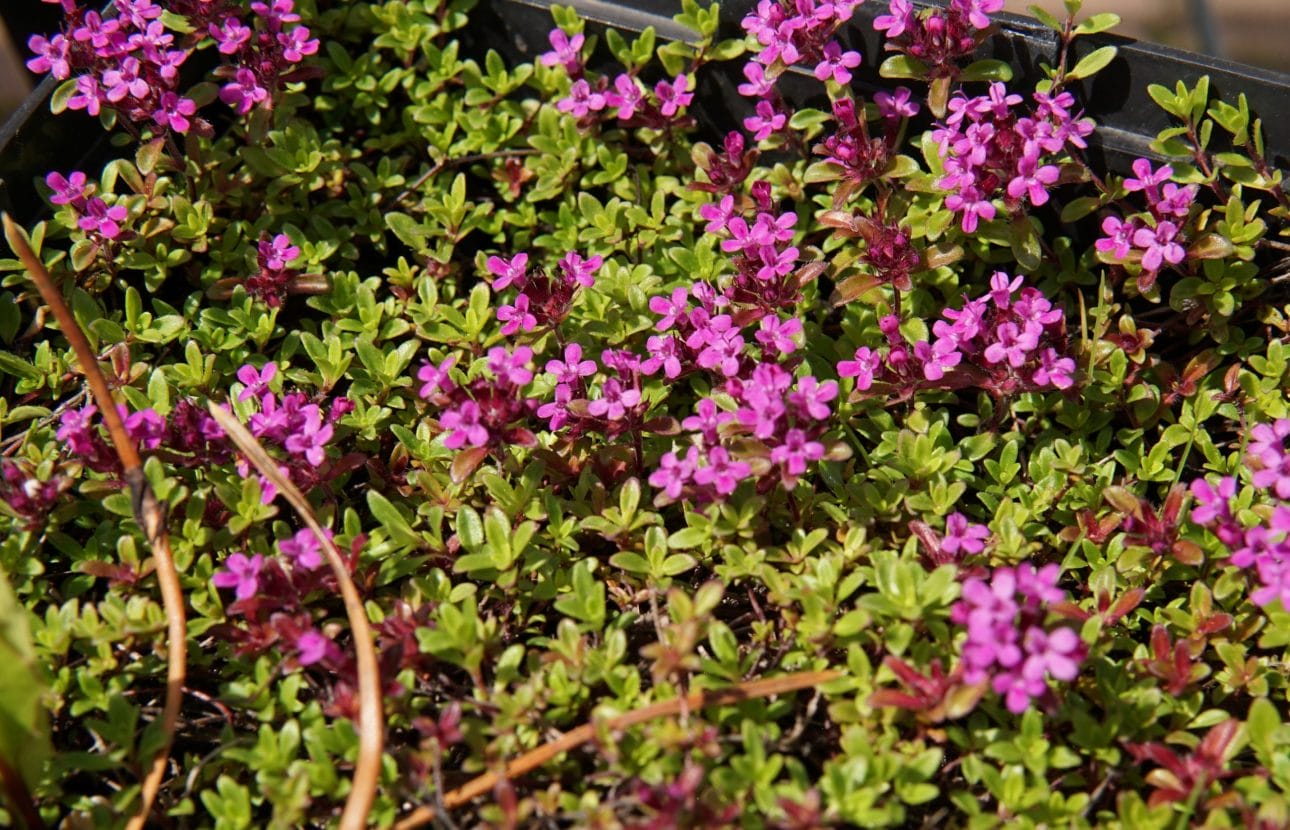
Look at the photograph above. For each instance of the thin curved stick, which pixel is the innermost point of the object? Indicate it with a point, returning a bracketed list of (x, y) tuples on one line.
[(148, 512), (371, 721), (535, 758)]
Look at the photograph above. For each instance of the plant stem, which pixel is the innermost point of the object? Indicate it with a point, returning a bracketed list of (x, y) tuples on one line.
[(148, 512)]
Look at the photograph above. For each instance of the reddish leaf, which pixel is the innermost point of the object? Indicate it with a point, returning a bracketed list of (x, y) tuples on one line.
[(466, 462)]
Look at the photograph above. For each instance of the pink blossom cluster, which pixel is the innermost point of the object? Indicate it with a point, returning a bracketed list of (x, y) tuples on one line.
[(991, 152), (726, 169), (263, 48), (861, 156), (1266, 545), (95, 217), (1006, 341), (625, 97), (270, 596), (28, 495), (271, 283), (1007, 641), (764, 255), (490, 411), (300, 428), (189, 430), (127, 62), (612, 406), (544, 299), (788, 33), (1155, 238), (939, 38)]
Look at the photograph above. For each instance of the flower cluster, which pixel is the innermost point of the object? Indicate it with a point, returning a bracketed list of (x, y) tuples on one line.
[(1153, 239), (990, 152), (270, 596), (128, 63), (544, 299), (860, 156), (614, 408), (791, 33), (1006, 638), (726, 170), (299, 427), (490, 411), (765, 259), (772, 435), (1005, 341), (27, 495), (625, 97), (272, 282), (263, 52), (94, 216), (1266, 545), (939, 38)]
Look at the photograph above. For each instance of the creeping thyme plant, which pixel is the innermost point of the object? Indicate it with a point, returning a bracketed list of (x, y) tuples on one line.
[(619, 371)]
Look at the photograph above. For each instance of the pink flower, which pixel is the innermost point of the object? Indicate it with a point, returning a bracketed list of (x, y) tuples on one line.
[(614, 401), (52, 56), (626, 96), (1159, 246), (508, 271), (244, 92), (573, 368), (836, 64), (758, 85), (722, 473), (672, 97), (766, 121), (230, 34), (1033, 181), (674, 473), (961, 536), (900, 16), (256, 381), (1119, 236), (68, 191), (862, 368), (173, 112), (511, 367), (278, 253), (435, 378), (101, 219), (465, 427), (894, 106), (517, 317), (296, 44), (304, 549), (581, 100), (564, 51), (241, 574), (580, 271)]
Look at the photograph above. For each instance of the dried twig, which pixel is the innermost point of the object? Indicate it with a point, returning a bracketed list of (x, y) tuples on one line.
[(440, 166), (535, 758), (371, 721), (148, 512)]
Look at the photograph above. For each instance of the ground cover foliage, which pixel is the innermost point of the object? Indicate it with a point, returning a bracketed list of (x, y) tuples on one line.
[(603, 404)]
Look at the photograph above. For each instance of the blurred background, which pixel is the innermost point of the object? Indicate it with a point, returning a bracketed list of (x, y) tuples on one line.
[(1249, 31)]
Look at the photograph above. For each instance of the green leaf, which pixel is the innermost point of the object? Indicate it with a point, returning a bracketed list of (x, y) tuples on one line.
[(470, 528), (903, 66), (24, 733), (1098, 23), (1092, 63), (392, 520), (987, 70)]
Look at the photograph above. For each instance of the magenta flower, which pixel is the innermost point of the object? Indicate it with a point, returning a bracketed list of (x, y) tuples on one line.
[(674, 473), (296, 44), (581, 100), (776, 336), (174, 112), (722, 473), (796, 452), (626, 96), (1012, 345), (758, 85), (766, 121), (836, 64), (511, 367), (230, 35), (1148, 180), (304, 549), (1119, 236), (1159, 246), (101, 219), (312, 647), (256, 382), (962, 536), (52, 56), (312, 437), (465, 427), (580, 271), (88, 96), (1055, 370), (670, 308), (244, 92), (614, 401), (812, 397), (1033, 181), (516, 317), (241, 574), (509, 271), (124, 81), (862, 368), (573, 368), (564, 51), (976, 11), (900, 16), (68, 191), (897, 105), (672, 97)]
